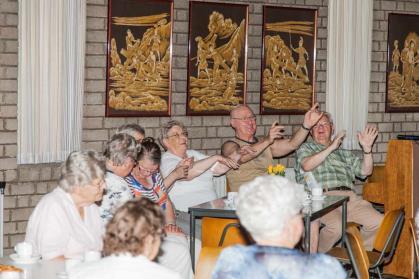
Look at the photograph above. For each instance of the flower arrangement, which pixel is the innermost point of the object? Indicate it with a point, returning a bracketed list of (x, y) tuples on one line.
[(276, 170)]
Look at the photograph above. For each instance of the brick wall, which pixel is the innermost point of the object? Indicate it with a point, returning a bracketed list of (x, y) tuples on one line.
[(27, 184)]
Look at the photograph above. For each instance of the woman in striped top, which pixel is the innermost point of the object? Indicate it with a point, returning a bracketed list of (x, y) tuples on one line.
[(145, 181)]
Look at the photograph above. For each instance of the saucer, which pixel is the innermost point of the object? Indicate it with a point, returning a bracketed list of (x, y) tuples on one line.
[(317, 198), (19, 260)]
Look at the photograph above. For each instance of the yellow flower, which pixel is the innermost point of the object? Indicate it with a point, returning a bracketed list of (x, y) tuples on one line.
[(276, 170)]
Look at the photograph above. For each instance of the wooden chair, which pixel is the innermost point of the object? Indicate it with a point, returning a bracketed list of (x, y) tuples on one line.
[(373, 189), (412, 228), (206, 262), (219, 232), (357, 253), (385, 242)]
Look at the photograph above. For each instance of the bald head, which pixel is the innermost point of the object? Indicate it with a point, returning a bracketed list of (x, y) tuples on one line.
[(239, 109)]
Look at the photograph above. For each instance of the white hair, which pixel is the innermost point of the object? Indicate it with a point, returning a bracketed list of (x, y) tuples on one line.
[(80, 169), (267, 203)]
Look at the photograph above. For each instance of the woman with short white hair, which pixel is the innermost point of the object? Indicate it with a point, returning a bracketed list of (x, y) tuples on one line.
[(268, 208), (121, 156), (66, 222), (134, 130)]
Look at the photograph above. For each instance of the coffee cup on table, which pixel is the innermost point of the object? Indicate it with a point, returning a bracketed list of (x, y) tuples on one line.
[(24, 250), (316, 192)]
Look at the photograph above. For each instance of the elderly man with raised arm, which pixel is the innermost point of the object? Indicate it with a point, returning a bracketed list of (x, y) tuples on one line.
[(243, 121), (335, 169)]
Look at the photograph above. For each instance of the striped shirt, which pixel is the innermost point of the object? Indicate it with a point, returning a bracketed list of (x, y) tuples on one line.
[(338, 169), (157, 193)]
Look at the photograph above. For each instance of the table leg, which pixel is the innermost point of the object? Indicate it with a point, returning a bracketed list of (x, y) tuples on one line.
[(307, 233), (192, 239), (344, 216)]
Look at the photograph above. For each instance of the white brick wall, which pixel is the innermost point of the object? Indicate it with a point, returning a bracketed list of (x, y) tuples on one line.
[(27, 184)]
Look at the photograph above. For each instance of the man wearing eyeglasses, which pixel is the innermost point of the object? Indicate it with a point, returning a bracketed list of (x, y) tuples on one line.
[(243, 121), (335, 169)]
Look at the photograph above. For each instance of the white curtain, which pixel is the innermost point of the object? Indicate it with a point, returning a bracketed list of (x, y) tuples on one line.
[(348, 65), (50, 79)]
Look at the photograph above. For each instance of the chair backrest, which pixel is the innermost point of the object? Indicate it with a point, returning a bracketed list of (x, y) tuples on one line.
[(221, 232), (206, 262), (388, 235), (357, 253), (412, 227)]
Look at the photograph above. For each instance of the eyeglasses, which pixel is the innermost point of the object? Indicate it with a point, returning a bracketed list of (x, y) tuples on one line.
[(323, 124), (247, 118), (147, 170), (185, 134)]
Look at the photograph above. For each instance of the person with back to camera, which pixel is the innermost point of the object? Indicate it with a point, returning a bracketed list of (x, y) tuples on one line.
[(131, 243), (134, 130), (269, 209)]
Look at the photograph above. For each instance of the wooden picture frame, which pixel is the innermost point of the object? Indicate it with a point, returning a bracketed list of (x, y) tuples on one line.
[(217, 57), (288, 60), (139, 55), (402, 94)]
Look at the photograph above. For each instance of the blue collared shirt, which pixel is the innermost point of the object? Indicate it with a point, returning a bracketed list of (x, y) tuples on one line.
[(265, 262)]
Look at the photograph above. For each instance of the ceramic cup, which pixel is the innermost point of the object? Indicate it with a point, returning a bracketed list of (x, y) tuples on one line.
[(317, 192), (92, 256), (24, 250), (316, 205)]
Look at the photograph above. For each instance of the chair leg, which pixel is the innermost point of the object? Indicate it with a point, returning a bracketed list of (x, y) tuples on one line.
[(377, 269)]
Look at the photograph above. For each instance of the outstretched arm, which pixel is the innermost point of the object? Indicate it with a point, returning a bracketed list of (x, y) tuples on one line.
[(223, 164), (284, 146), (366, 140)]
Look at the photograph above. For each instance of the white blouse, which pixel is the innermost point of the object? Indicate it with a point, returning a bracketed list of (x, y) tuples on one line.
[(122, 266), (56, 228)]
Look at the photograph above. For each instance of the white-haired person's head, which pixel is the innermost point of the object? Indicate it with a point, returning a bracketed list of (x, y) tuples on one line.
[(134, 130), (269, 207)]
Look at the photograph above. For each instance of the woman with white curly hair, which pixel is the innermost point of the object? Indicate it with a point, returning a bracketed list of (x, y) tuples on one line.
[(269, 209)]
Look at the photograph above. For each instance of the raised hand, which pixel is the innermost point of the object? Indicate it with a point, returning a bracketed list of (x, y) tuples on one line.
[(275, 132), (367, 137), (186, 162), (337, 141), (312, 116), (181, 171)]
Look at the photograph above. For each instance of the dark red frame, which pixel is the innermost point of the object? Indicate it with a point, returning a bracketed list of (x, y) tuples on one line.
[(399, 25), (224, 9), (312, 57), (110, 112)]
